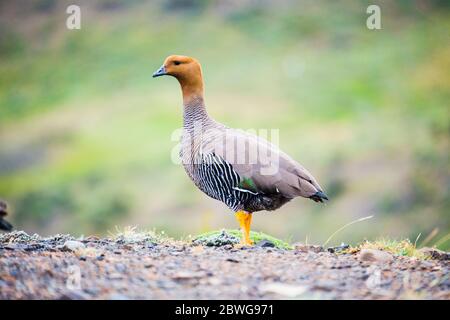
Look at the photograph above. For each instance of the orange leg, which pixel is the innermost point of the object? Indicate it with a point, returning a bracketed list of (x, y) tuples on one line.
[(245, 220)]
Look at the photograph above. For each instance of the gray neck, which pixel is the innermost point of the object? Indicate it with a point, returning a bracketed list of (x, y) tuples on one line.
[(195, 114)]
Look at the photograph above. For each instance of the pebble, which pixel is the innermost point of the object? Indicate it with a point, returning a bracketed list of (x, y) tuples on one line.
[(185, 275), (265, 244), (283, 289), (73, 245), (307, 248), (373, 255), (337, 249)]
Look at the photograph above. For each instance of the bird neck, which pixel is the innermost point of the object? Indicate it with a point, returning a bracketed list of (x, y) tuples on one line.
[(194, 113), (192, 92), (191, 82), (193, 101)]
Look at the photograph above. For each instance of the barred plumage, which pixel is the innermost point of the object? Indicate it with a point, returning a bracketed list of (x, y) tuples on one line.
[(218, 180)]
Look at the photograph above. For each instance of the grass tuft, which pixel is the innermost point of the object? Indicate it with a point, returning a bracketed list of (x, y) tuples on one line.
[(131, 235), (396, 247), (254, 235)]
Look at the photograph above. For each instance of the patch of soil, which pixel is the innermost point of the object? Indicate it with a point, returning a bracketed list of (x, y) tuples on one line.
[(57, 267)]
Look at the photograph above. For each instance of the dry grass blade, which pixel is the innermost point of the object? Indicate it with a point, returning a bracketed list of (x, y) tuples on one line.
[(432, 234), (417, 239), (443, 240), (345, 226)]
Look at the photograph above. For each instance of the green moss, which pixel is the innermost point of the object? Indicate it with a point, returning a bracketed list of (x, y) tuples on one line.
[(254, 235)]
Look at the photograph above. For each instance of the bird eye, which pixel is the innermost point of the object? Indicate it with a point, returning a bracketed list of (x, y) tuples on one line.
[(176, 63)]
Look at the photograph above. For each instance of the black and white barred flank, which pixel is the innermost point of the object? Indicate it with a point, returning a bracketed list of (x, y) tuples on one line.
[(217, 178)]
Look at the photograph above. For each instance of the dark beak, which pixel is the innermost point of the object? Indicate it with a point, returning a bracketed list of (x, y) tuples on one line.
[(160, 72)]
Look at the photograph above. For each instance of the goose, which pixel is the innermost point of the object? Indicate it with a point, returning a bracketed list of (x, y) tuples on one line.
[(242, 170)]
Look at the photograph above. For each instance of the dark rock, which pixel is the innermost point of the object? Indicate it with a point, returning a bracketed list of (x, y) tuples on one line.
[(265, 244), (33, 247), (338, 249), (435, 254)]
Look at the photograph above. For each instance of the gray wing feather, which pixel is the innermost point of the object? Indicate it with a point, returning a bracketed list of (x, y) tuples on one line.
[(271, 169)]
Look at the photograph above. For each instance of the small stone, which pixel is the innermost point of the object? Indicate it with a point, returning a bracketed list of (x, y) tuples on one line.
[(121, 267), (325, 285), (373, 255), (115, 276), (337, 249), (265, 244), (73, 245), (214, 281), (283, 289), (435, 254), (307, 248), (186, 275)]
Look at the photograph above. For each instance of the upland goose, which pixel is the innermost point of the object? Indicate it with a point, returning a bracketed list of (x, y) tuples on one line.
[(242, 170)]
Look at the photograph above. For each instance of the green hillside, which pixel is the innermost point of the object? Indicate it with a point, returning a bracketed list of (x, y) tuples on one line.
[(86, 135)]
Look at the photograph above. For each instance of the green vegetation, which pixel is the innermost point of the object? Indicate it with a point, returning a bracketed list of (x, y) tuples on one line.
[(85, 133), (130, 235), (254, 235), (397, 247)]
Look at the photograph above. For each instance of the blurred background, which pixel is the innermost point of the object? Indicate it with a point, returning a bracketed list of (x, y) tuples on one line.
[(85, 132)]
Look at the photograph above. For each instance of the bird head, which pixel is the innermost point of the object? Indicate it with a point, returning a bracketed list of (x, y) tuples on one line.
[(187, 71), (180, 67)]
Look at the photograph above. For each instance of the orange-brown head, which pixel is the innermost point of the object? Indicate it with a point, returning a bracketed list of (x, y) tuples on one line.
[(188, 72)]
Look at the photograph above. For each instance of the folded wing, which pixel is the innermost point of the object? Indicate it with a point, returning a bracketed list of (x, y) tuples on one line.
[(270, 170)]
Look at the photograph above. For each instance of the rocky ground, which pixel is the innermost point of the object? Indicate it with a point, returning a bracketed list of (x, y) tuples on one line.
[(62, 267)]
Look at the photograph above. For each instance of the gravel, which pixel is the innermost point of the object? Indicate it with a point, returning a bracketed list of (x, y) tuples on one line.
[(32, 267)]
